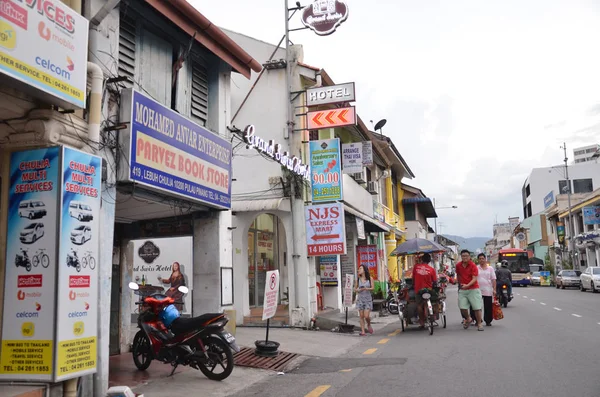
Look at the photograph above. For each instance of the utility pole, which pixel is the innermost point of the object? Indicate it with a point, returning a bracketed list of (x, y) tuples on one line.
[(571, 228), (435, 238)]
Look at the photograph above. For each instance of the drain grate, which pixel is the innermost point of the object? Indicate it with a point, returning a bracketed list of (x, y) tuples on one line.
[(247, 358)]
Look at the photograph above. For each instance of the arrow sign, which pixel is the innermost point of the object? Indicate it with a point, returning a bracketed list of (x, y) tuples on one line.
[(325, 237), (331, 118)]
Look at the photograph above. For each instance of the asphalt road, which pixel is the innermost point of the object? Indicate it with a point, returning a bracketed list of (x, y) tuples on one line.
[(547, 345)]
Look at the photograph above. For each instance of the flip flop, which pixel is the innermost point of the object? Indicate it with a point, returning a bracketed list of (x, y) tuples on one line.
[(466, 324), (362, 334), (480, 328)]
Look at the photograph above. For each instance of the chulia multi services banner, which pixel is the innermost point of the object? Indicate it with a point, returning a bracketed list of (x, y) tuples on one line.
[(40, 180)]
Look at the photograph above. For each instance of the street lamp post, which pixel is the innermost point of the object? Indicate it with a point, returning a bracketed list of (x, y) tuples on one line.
[(435, 219), (571, 228)]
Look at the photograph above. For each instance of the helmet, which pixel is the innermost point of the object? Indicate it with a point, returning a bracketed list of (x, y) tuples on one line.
[(505, 263)]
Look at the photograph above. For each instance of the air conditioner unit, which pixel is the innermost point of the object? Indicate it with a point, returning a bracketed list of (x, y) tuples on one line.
[(373, 187), (360, 177)]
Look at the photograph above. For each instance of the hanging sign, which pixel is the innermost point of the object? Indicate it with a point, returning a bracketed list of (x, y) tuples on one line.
[(331, 118), (352, 158), (360, 228), (329, 269), (367, 152), (330, 94), (324, 16), (325, 229), (326, 171), (273, 150)]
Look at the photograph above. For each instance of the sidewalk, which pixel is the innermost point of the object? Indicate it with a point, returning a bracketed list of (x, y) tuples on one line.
[(192, 382), (330, 319)]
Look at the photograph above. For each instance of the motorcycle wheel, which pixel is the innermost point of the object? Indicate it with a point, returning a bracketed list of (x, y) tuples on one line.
[(141, 351), (444, 321), (219, 355), (431, 321), (392, 306)]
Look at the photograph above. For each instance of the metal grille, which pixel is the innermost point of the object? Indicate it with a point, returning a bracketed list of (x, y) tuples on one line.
[(127, 29), (247, 358), (199, 93)]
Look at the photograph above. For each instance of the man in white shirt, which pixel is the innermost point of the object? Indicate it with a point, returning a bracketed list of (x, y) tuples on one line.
[(486, 278)]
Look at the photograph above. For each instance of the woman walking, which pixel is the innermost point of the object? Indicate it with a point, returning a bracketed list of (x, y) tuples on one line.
[(364, 300)]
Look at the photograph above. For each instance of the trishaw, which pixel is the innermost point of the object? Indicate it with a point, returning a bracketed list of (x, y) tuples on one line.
[(434, 299)]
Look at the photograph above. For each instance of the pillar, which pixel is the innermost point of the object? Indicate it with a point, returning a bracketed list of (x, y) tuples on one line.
[(392, 261)]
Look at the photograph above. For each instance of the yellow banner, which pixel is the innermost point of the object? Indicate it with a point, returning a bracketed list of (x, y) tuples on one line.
[(41, 77), (76, 355), (26, 357)]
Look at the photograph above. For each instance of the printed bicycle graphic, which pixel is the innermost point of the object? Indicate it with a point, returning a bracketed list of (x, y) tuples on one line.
[(41, 256), (88, 259)]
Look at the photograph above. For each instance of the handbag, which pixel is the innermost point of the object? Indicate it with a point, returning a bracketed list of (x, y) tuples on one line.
[(497, 310)]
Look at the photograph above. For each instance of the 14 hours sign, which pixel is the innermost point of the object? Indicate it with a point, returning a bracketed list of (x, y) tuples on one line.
[(325, 229)]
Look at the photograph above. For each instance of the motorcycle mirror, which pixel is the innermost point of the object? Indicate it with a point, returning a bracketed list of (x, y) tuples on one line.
[(134, 286), (183, 289)]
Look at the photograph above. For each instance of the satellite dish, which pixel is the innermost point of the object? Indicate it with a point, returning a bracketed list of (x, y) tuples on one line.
[(380, 124)]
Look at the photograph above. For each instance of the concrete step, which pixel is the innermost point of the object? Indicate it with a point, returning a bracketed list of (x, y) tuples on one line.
[(258, 321)]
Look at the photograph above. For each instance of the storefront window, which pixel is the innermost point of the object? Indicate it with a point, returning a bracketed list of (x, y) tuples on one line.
[(262, 255)]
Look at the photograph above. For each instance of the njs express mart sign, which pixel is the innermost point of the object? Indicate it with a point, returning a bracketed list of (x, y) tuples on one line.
[(43, 44), (170, 153)]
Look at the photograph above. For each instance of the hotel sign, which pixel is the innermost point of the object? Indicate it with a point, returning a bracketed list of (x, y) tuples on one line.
[(324, 16), (273, 150), (330, 94)]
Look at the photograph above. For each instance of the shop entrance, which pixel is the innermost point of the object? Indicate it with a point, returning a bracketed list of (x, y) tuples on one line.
[(264, 254)]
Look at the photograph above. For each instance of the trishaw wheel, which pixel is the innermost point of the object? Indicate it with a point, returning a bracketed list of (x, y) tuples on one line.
[(444, 321), (431, 321)]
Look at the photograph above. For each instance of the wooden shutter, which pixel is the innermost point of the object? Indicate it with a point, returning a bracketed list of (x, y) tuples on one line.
[(127, 47), (199, 102)]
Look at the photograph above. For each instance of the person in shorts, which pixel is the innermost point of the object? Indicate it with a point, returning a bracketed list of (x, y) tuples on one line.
[(469, 294), (364, 299)]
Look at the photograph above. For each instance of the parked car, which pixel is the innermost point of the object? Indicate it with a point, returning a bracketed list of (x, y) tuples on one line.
[(81, 234), (32, 232), (81, 211), (536, 278), (590, 279), (32, 209), (568, 278)]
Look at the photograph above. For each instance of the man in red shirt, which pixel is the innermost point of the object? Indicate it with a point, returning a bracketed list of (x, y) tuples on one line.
[(469, 294), (423, 277)]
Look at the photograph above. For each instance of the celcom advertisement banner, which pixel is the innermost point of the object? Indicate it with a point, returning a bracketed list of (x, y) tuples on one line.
[(30, 280), (326, 170), (170, 153), (164, 264), (44, 44), (79, 239)]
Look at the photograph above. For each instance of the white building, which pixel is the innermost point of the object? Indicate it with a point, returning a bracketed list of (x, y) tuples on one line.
[(543, 184), (586, 153)]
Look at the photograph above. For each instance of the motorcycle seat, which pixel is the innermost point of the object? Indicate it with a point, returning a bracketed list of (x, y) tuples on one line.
[(186, 324)]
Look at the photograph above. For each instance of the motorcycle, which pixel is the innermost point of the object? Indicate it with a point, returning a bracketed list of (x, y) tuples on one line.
[(392, 301), (199, 342), (22, 260), (73, 260), (503, 296)]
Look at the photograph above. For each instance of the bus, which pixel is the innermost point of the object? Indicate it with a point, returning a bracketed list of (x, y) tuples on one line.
[(518, 264)]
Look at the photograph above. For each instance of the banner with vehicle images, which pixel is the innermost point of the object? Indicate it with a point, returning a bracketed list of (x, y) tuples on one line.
[(30, 279), (162, 265), (77, 299)]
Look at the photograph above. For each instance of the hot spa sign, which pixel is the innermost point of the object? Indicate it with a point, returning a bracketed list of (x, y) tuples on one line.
[(170, 153)]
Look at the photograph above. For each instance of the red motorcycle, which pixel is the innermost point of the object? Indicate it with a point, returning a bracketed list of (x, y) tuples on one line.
[(199, 342)]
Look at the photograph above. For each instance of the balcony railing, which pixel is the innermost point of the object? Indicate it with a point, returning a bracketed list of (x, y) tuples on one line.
[(391, 218)]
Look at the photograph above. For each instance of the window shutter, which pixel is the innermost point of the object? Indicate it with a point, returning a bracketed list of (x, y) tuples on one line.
[(127, 47), (199, 110)]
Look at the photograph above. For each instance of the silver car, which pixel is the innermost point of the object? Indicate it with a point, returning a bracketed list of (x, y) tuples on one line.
[(568, 278), (536, 278)]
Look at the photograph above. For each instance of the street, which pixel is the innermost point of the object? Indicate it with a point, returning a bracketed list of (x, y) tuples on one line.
[(546, 345)]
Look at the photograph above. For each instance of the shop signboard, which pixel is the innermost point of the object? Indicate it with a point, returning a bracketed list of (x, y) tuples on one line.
[(329, 267), (560, 232), (331, 118), (271, 294), (591, 215), (545, 278), (325, 229), (348, 260), (169, 153), (324, 16), (30, 286), (378, 211), (549, 200), (77, 280), (352, 158), (367, 149), (330, 94), (348, 289), (326, 170), (367, 255), (360, 228), (164, 264), (44, 44)]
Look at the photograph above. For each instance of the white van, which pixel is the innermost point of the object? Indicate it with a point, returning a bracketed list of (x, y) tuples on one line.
[(81, 211), (32, 209)]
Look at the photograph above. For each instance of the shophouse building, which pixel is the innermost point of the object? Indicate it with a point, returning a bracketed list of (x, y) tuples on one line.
[(153, 103)]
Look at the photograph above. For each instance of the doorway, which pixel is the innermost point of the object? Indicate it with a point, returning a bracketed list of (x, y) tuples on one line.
[(263, 255)]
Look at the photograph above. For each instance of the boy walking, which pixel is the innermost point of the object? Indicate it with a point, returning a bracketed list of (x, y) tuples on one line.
[(469, 295)]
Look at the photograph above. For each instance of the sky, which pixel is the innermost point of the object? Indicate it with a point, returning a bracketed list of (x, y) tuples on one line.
[(475, 93)]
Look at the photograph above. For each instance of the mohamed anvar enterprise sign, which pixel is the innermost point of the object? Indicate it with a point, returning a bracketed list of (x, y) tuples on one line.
[(169, 153)]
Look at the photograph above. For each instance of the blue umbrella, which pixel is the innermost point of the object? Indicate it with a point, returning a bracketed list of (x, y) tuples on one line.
[(417, 246)]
